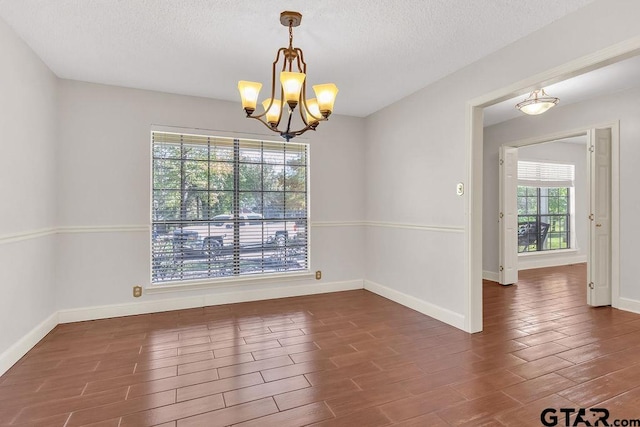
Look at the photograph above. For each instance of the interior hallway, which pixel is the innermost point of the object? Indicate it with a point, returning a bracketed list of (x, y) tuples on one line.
[(349, 358)]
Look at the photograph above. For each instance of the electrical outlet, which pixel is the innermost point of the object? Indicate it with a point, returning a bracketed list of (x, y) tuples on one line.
[(137, 291), (318, 275)]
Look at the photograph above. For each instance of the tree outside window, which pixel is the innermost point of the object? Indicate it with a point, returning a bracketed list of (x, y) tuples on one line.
[(227, 207)]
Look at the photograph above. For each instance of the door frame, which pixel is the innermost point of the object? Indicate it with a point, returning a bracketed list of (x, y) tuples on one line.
[(474, 165), (614, 190)]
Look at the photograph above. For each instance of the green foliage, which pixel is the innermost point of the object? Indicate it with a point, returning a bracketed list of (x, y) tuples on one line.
[(196, 181)]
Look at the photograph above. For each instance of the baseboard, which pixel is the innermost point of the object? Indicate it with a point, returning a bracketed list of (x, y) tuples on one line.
[(431, 310), (629, 304), (491, 275), (283, 292), (10, 356), (549, 260), (170, 304)]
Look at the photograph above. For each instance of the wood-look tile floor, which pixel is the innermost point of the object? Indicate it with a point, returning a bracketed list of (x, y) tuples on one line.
[(348, 358)]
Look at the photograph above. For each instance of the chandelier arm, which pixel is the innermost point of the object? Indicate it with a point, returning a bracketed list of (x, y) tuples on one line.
[(312, 126), (259, 118), (303, 106), (300, 57), (282, 103), (304, 119), (273, 85), (273, 82), (289, 135), (302, 65)]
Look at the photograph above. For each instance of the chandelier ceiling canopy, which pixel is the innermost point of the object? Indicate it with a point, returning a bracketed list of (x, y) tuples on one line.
[(293, 71)]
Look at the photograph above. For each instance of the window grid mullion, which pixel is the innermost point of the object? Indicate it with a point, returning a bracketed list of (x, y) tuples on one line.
[(236, 207), (186, 210)]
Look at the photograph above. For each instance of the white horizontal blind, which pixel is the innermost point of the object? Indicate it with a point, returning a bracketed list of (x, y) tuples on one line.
[(227, 207), (540, 174)]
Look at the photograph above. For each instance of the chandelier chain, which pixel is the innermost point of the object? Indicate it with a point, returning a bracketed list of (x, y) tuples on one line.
[(291, 35)]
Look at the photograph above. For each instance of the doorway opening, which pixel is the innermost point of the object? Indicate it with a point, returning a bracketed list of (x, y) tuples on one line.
[(542, 197), (474, 234), (576, 207)]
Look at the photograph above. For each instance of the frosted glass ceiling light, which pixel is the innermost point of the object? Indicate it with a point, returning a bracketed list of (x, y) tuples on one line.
[(537, 103), (293, 91)]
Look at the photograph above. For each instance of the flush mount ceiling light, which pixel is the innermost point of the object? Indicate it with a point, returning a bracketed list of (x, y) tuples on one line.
[(292, 90), (537, 103)]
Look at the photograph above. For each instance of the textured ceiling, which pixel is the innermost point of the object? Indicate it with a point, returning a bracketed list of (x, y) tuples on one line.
[(376, 51), (617, 77)]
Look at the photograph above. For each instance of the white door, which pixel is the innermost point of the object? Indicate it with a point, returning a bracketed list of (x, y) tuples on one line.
[(508, 215), (599, 273)]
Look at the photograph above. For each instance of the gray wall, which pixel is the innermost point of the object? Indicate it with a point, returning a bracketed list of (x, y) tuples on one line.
[(104, 178), (416, 153), (27, 187)]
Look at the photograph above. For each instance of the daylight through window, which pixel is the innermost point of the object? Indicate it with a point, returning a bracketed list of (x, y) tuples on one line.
[(227, 207), (544, 206)]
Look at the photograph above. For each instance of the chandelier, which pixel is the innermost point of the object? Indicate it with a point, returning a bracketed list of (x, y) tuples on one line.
[(292, 90), (537, 103)]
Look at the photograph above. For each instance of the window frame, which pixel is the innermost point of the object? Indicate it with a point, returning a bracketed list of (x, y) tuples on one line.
[(569, 221), (244, 279)]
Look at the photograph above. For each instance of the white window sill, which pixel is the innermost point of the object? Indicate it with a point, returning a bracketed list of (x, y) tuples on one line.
[(189, 285), (548, 253)]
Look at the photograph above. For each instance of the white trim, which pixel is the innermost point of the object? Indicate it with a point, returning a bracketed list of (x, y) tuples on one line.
[(442, 314), (26, 235), (474, 159), (628, 304), (189, 285), (154, 306), (103, 229), (43, 232), (615, 214), (442, 228), (491, 275), (388, 224), (14, 353), (337, 223), (539, 260), (473, 226), (132, 228), (283, 292)]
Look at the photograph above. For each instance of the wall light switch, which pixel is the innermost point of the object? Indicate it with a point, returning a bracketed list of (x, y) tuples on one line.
[(460, 189)]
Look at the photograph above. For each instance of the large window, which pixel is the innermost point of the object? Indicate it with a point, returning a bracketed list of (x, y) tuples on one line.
[(227, 207), (544, 206)]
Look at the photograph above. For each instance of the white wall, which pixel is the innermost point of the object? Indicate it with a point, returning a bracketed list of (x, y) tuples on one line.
[(416, 153), (104, 197), (622, 106), (572, 153), (27, 189)]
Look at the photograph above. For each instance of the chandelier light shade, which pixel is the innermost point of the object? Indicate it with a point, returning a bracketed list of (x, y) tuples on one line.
[(292, 91), (249, 91), (537, 103)]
